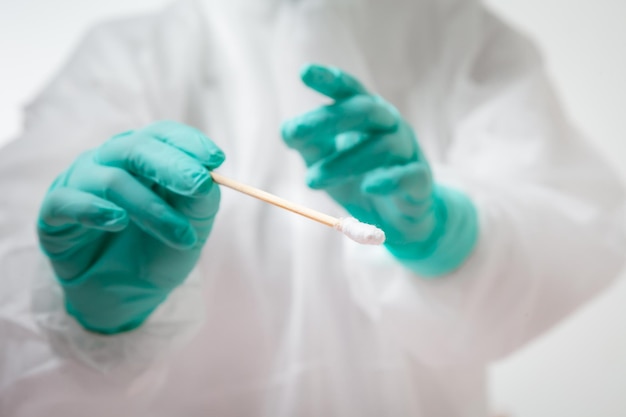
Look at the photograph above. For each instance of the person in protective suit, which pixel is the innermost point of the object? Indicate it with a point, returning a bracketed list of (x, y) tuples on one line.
[(131, 285)]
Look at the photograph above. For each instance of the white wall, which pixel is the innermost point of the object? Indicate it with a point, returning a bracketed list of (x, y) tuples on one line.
[(578, 370)]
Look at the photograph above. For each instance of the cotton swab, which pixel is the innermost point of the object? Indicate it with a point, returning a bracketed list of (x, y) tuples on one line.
[(359, 232)]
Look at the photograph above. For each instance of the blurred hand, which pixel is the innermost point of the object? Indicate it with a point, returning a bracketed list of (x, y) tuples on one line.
[(362, 152)]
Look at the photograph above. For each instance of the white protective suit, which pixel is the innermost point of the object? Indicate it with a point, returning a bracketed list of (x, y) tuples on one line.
[(282, 316)]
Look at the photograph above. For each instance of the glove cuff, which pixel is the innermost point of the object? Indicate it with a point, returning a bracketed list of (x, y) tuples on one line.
[(106, 328), (452, 240)]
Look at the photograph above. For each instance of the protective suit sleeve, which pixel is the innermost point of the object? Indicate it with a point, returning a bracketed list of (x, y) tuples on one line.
[(551, 233), (115, 81)]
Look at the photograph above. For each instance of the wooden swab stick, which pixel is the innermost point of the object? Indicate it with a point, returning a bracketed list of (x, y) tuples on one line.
[(349, 226), (277, 201)]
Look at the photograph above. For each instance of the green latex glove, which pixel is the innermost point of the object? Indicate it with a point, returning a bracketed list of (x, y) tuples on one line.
[(362, 152), (125, 223)]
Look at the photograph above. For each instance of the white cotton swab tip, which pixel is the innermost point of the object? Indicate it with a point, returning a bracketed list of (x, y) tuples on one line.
[(363, 233)]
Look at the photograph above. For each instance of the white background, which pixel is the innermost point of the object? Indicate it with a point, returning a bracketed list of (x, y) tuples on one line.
[(579, 369)]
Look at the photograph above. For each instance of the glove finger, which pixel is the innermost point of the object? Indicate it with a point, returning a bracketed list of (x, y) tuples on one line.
[(360, 113), (347, 140), (407, 188), (189, 140), (413, 179), (145, 208), (200, 211), (370, 154), (63, 207), (331, 81), (142, 155), (403, 197), (313, 133), (69, 218)]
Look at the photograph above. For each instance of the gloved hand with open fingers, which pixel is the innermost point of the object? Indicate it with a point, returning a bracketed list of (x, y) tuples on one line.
[(362, 152), (125, 223)]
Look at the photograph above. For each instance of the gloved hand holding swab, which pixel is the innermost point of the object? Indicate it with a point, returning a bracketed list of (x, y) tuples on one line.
[(359, 232)]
